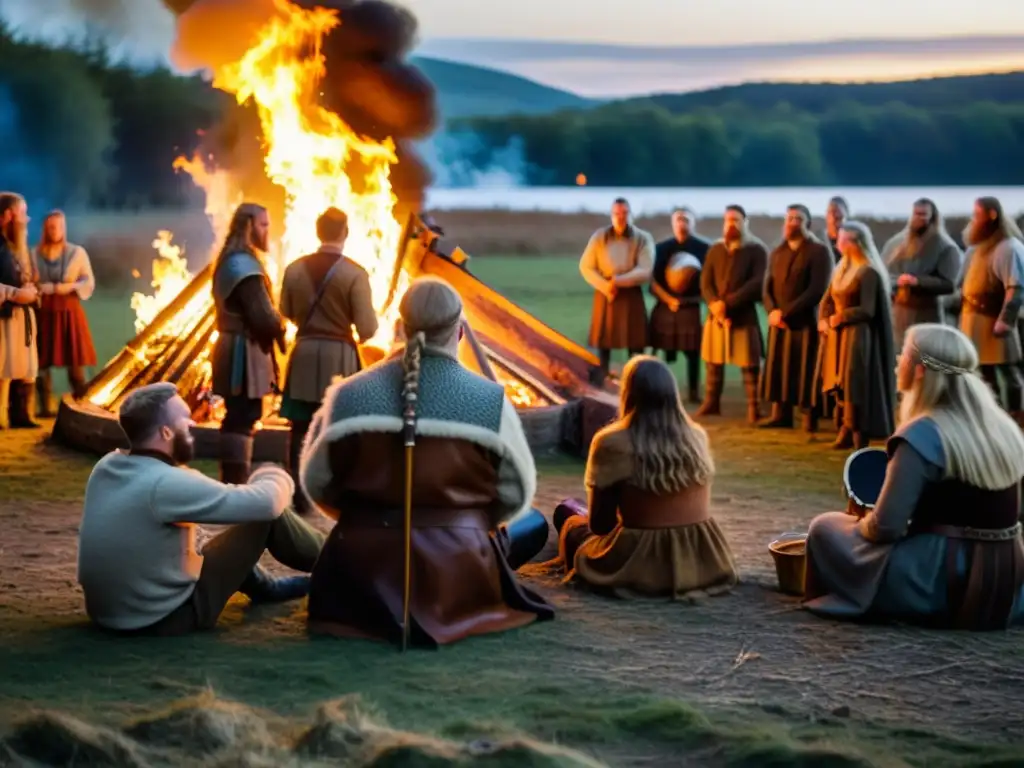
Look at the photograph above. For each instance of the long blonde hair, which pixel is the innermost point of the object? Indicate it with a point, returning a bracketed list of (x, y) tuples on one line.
[(431, 312), (670, 451), (865, 243), (983, 445)]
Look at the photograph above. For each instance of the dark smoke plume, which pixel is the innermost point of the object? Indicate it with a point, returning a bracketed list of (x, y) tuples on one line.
[(369, 83)]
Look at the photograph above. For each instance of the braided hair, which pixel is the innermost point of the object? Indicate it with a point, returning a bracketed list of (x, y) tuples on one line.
[(431, 312)]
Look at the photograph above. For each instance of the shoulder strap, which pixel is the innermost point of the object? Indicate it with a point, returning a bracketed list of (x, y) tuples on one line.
[(321, 289)]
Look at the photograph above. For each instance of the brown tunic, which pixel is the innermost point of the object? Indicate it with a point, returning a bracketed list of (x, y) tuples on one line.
[(993, 288), (935, 260), (325, 346), (619, 323), (737, 278), (646, 543), (680, 330), (795, 283), (856, 360)]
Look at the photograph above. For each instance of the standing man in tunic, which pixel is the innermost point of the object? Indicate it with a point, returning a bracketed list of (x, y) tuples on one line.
[(618, 260), (248, 326), (924, 265), (992, 293), (19, 359), (838, 211), (325, 294), (675, 320), (799, 271), (731, 283)]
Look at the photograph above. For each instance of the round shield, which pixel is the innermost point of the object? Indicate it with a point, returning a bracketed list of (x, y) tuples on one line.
[(676, 269), (864, 475)]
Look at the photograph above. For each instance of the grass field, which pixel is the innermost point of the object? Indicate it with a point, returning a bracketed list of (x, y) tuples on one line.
[(747, 679)]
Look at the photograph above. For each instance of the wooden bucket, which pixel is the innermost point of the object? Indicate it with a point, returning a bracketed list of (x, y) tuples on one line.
[(790, 554)]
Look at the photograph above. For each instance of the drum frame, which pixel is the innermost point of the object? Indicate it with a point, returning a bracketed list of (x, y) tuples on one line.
[(846, 478)]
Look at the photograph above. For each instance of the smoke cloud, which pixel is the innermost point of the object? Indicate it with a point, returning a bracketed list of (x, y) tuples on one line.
[(461, 159), (20, 168), (138, 25)]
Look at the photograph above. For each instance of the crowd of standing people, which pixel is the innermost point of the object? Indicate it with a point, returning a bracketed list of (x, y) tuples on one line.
[(42, 321), (837, 309)]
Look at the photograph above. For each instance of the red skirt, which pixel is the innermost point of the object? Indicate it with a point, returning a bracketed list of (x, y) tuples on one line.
[(63, 337)]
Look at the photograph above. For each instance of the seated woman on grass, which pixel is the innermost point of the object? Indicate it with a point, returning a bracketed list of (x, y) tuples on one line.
[(943, 544), (649, 529)]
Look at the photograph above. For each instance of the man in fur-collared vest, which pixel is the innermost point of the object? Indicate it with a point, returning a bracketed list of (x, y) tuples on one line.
[(799, 271), (248, 327), (617, 262), (472, 471), (326, 295), (731, 284), (992, 292), (924, 265)]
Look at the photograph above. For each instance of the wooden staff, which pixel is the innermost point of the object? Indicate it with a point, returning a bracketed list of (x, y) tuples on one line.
[(409, 435)]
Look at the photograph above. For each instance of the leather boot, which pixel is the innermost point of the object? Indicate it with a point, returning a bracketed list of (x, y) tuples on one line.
[(753, 401), (524, 538), (860, 440), (712, 405), (5, 402), (44, 392), (300, 503), (23, 405), (260, 587), (781, 417), (235, 458)]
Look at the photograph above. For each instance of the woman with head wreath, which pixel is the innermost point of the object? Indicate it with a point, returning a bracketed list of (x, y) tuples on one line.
[(649, 528), (943, 543), (471, 470), (856, 357)]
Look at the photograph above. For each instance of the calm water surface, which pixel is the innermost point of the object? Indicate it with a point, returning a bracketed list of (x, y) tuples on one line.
[(877, 202)]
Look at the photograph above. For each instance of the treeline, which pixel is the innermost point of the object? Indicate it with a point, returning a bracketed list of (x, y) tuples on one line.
[(79, 128), (644, 143)]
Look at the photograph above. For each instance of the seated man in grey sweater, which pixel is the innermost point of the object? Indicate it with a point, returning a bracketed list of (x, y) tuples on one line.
[(137, 559)]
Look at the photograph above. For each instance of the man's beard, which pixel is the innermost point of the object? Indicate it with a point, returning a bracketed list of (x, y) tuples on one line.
[(183, 448), (980, 233), (16, 235), (732, 234), (920, 231), (795, 233)]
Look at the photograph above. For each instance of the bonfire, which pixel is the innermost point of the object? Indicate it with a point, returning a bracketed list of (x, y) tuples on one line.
[(319, 161)]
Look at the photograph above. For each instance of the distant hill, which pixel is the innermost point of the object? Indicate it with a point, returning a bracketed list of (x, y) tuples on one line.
[(465, 90), (935, 93)]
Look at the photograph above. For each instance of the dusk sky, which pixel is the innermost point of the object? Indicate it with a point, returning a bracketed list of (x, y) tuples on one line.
[(600, 48)]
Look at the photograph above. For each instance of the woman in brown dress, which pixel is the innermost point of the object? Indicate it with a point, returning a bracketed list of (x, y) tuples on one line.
[(856, 359), (649, 528), (65, 281)]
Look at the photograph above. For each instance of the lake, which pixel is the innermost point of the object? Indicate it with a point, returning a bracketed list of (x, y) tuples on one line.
[(875, 202)]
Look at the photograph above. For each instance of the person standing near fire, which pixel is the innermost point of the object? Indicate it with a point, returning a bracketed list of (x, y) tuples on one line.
[(675, 320), (924, 266), (731, 283), (326, 295), (65, 281), (992, 292), (248, 327), (617, 262), (838, 211), (799, 272), (19, 359)]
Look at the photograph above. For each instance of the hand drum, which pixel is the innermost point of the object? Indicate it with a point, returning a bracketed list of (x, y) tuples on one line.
[(863, 477), (676, 270)]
